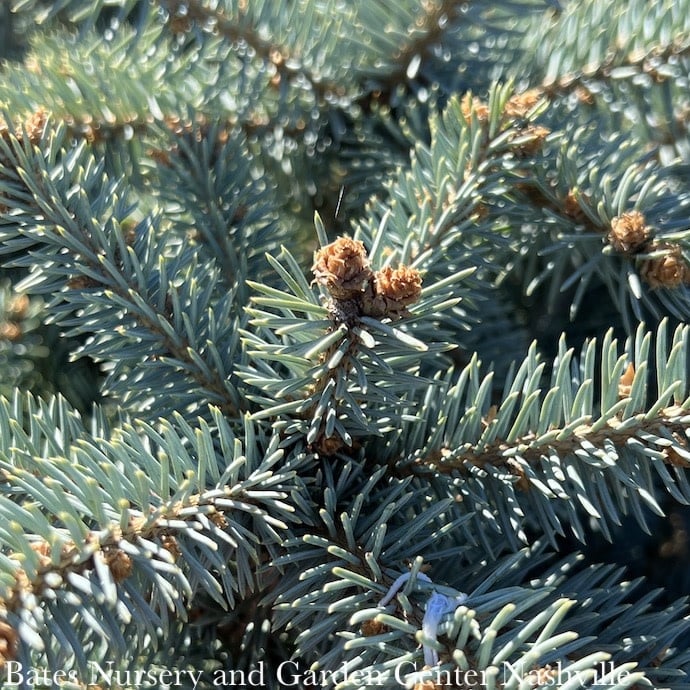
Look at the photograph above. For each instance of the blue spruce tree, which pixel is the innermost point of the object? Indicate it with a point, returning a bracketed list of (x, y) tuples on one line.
[(343, 344)]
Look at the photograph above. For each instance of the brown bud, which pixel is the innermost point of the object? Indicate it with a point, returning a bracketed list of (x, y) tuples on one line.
[(521, 103), (8, 643), (82, 283), (119, 562), (584, 95), (372, 627), (18, 307), (342, 268), (395, 289), (517, 470), (329, 445), (629, 232), (428, 684), (180, 25), (472, 105), (43, 550), (544, 675), (9, 330), (169, 543), (673, 457), (219, 520), (35, 125), (667, 271)]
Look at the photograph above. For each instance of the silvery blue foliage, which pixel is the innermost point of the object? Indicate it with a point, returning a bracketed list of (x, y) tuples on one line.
[(261, 477)]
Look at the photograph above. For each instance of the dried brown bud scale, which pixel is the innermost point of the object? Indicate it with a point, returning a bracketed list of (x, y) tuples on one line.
[(670, 270), (626, 382), (530, 139), (119, 562), (629, 232), (372, 627), (342, 267), (521, 103), (9, 640), (394, 289), (572, 205), (474, 106)]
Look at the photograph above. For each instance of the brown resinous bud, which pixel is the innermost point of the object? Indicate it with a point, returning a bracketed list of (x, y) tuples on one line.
[(669, 270), (629, 232), (394, 289), (342, 268), (521, 103)]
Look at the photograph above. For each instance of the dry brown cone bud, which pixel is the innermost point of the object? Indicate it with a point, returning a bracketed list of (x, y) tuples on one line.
[(472, 104), (427, 685), (119, 562), (82, 283), (584, 95), (329, 445), (8, 643), (43, 550), (35, 125), (667, 271), (517, 470), (9, 330), (180, 25), (521, 103), (675, 458), (159, 156), (169, 543), (629, 232), (372, 627), (342, 267), (543, 675), (219, 520), (395, 289)]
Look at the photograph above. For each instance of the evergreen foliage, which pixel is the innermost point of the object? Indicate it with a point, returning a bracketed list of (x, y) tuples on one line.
[(300, 297)]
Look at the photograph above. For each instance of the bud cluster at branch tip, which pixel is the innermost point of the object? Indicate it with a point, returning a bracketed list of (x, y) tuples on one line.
[(669, 270), (342, 267), (629, 232), (664, 267)]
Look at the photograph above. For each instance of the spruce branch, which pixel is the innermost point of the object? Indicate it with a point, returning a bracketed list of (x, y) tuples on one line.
[(347, 558), (107, 106), (518, 631), (88, 260), (124, 527), (239, 26), (321, 473), (73, 14), (338, 364), (607, 215), (545, 443), (423, 32), (622, 51), (443, 199), (230, 216)]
